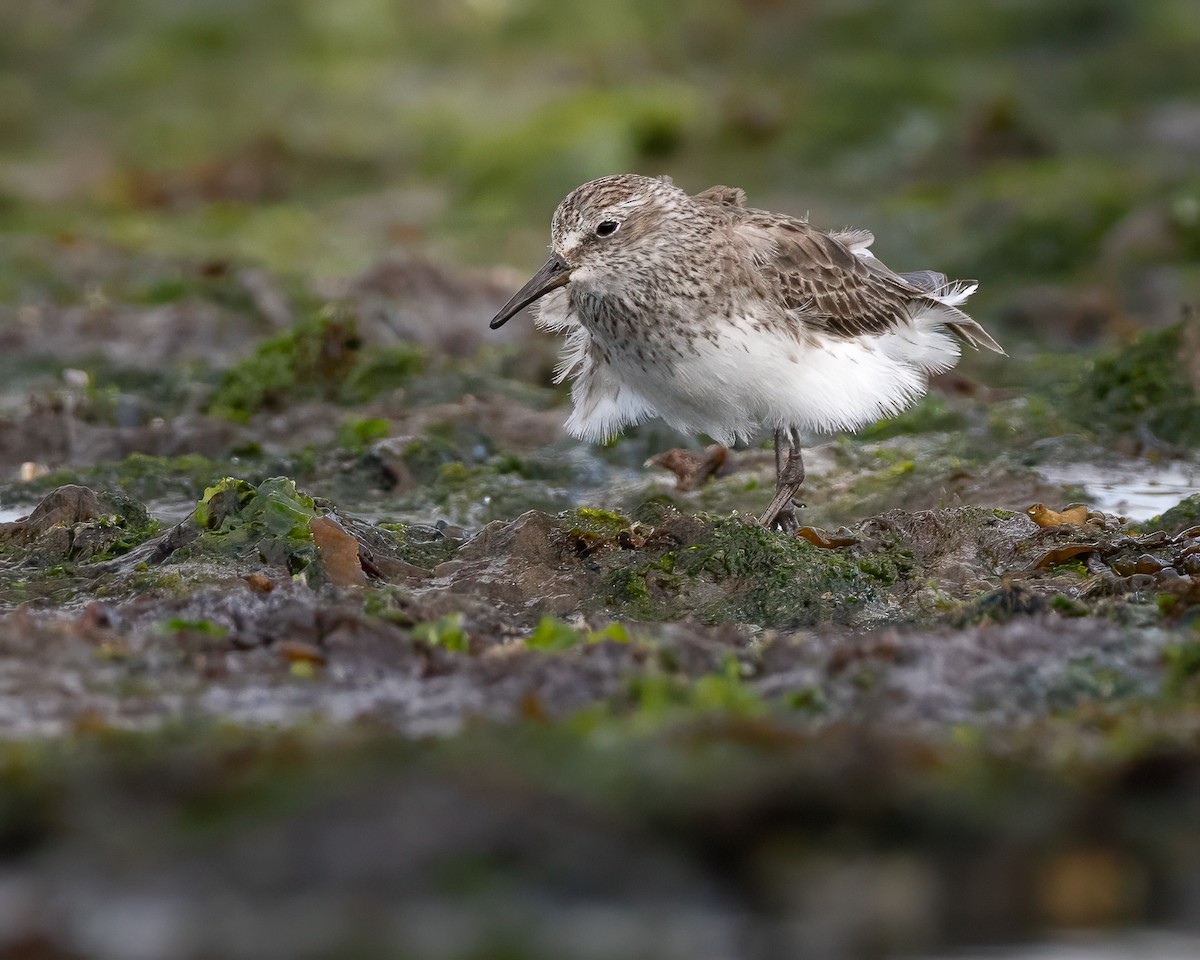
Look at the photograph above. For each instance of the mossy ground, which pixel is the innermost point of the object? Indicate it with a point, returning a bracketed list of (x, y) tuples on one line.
[(730, 570), (635, 724)]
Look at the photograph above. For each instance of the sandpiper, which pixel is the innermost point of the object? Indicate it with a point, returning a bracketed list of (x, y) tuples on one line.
[(722, 319)]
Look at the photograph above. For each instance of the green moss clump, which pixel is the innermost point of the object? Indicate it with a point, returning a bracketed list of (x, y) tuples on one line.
[(446, 632), (730, 570), (204, 627), (272, 520), (597, 523), (809, 699), (425, 456), (380, 370), (1068, 606), (129, 525), (454, 474), (1186, 513), (320, 357), (626, 587), (357, 433), (787, 579), (305, 361), (658, 698), (552, 635), (1144, 385), (1182, 663)]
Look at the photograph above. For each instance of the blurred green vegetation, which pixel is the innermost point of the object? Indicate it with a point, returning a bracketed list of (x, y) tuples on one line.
[(1002, 139)]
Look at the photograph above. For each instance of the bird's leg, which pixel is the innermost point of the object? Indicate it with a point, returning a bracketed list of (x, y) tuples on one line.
[(789, 475)]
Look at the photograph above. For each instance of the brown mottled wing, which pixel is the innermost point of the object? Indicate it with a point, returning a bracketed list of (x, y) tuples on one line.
[(822, 283), (723, 196)]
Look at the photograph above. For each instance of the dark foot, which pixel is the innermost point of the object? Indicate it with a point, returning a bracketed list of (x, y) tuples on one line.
[(781, 512), (789, 475)]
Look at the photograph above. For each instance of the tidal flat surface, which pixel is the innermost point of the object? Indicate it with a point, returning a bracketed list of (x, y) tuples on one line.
[(319, 637), (355, 626)]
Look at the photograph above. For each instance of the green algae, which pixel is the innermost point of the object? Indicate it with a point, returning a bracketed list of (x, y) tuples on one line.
[(1182, 661), (358, 433), (810, 700), (321, 357), (306, 361), (388, 603), (552, 635), (1145, 385), (271, 521), (379, 370), (731, 570), (205, 628), (656, 699), (1183, 515), (446, 632), (424, 457), (593, 522)]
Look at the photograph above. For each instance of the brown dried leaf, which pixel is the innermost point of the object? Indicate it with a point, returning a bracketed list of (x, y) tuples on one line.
[(297, 651), (339, 553), (1043, 516), (258, 583), (827, 541), (1064, 553)]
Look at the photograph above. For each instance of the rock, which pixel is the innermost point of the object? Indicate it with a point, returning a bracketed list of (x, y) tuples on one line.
[(62, 507), (529, 563)]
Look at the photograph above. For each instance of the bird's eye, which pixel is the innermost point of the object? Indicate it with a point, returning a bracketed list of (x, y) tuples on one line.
[(606, 228)]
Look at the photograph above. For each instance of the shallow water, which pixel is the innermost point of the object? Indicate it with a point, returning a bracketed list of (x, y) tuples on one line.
[(1134, 489)]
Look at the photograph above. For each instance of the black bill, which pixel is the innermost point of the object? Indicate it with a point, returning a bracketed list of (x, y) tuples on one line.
[(555, 272)]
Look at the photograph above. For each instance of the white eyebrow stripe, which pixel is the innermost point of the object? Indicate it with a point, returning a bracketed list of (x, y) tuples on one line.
[(632, 202)]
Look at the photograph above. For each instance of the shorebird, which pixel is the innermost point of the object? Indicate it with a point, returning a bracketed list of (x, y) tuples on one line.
[(722, 319)]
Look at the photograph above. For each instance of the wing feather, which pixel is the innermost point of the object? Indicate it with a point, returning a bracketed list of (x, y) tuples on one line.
[(823, 284), (832, 283)]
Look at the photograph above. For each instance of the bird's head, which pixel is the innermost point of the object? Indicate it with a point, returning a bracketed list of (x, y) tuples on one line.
[(602, 231)]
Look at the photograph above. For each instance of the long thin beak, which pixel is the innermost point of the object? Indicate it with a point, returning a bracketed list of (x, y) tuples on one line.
[(555, 273)]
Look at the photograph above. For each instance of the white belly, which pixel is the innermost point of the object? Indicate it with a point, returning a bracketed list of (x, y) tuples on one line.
[(749, 379)]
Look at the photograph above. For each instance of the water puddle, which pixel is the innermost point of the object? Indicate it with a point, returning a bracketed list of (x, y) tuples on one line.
[(1131, 488)]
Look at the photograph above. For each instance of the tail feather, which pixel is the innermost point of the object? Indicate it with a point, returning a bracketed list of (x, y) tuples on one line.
[(966, 328), (941, 301)]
